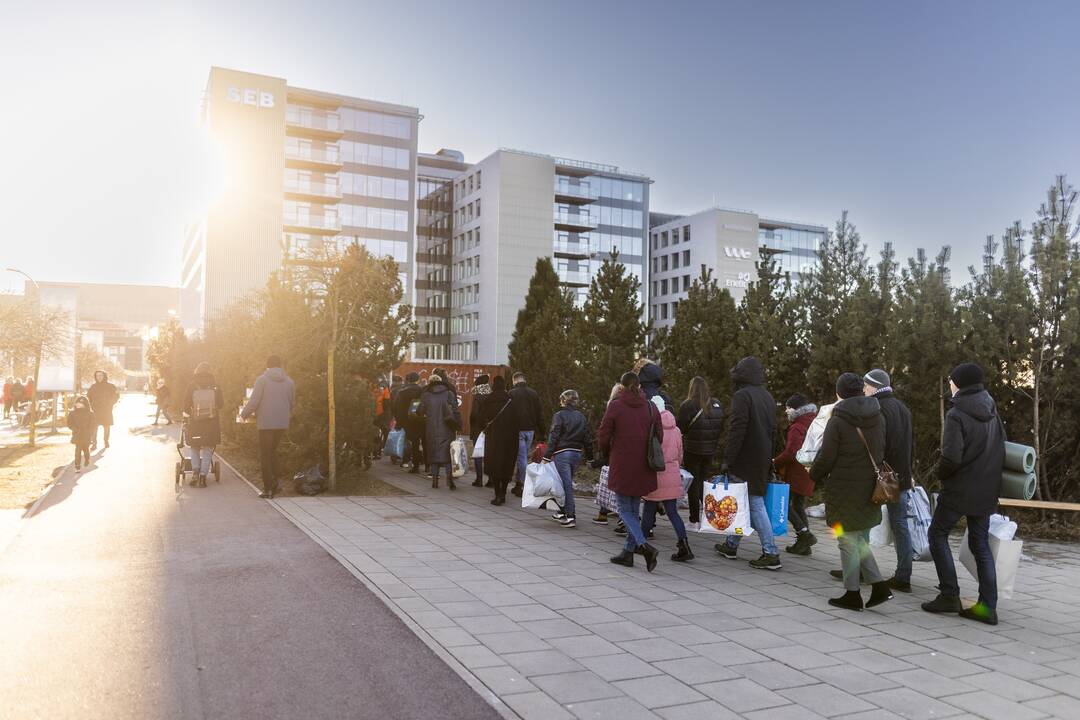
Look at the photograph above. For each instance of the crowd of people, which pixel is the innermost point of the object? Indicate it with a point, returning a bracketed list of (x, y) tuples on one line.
[(647, 443), (17, 394), (88, 413)]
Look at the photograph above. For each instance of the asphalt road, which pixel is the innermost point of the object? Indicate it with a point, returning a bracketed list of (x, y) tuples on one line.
[(119, 601)]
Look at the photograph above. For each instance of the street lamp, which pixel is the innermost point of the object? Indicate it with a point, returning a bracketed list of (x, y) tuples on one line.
[(37, 360)]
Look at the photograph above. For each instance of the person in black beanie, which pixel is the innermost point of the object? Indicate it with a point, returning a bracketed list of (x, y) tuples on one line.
[(972, 454), (854, 441), (800, 413)]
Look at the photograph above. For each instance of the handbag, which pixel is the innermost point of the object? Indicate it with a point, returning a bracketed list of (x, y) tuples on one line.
[(886, 484), (655, 449)]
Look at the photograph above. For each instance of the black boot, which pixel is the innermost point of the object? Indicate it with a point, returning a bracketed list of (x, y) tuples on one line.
[(851, 600), (880, 593), (803, 541), (980, 612), (450, 483), (478, 482), (650, 554), (683, 553), (435, 482), (943, 604), (624, 558)]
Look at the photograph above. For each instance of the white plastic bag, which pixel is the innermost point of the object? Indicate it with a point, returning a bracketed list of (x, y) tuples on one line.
[(727, 508), (918, 521), (542, 483), (881, 534), (478, 448), (814, 434), (459, 458), (1006, 554), (1002, 527), (816, 511)]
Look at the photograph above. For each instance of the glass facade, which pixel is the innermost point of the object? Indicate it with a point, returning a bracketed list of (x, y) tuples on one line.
[(795, 247), (434, 225)]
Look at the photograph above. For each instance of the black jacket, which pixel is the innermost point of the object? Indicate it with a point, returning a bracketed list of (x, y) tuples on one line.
[(753, 422), (102, 396), (972, 453), (439, 402), (843, 463), (701, 436), (651, 377), (500, 436), (899, 440), (203, 432), (569, 431), (480, 394), (526, 408), (402, 400)]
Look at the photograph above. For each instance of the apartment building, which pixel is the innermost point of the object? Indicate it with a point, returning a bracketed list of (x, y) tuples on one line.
[(307, 172), (728, 243)]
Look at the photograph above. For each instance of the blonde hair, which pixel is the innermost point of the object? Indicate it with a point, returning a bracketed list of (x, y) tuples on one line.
[(616, 390), (641, 362), (569, 398)]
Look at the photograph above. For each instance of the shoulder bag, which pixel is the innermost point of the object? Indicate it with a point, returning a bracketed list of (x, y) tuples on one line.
[(886, 484), (654, 448)]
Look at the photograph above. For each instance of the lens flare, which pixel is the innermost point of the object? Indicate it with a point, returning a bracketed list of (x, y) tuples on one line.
[(838, 530)]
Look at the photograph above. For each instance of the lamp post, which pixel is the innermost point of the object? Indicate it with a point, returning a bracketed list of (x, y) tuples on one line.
[(37, 360)]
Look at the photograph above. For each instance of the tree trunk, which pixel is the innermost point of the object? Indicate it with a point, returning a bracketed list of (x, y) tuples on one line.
[(1037, 441), (331, 412)]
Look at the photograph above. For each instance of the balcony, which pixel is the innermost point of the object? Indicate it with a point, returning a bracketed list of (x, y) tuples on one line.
[(573, 222), (327, 193), (326, 159), (309, 122), (575, 278), (567, 249), (567, 194), (314, 224)]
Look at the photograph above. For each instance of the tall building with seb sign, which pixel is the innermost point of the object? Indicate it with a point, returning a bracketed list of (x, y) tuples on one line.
[(726, 242), (302, 171)]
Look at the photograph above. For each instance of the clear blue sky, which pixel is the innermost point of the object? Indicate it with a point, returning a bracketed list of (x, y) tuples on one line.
[(930, 122)]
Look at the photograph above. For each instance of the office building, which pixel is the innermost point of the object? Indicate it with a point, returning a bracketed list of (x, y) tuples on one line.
[(307, 172), (727, 242), (506, 211)]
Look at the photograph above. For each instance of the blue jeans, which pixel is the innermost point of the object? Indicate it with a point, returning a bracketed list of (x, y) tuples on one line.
[(759, 520), (898, 520), (525, 438), (671, 509), (979, 542), (566, 462), (202, 460), (628, 513)]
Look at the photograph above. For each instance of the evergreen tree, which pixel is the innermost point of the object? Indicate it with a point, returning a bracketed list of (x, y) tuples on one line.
[(609, 334), (769, 328)]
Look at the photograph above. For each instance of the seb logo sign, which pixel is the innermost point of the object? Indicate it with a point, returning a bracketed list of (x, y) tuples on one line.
[(250, 96), (738, 253)]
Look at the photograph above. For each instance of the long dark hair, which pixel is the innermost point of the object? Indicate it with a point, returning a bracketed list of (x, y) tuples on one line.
[(699, 393), (630, 382)]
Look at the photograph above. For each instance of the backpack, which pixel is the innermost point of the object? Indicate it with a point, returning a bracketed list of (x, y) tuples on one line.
[(203, 401), (814, 435), (416, 410)]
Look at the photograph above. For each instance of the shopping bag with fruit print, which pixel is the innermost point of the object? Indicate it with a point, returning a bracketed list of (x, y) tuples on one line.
[(727, 507)]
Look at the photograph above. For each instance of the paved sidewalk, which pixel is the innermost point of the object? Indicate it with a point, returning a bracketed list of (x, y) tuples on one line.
[(541, 617)]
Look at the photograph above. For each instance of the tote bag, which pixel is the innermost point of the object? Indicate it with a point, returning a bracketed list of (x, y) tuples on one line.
[(776, 505), (605, 496), (727, 508), (1006, 562)]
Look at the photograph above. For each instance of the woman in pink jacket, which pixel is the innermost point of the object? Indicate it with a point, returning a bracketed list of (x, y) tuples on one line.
[(669, 486)]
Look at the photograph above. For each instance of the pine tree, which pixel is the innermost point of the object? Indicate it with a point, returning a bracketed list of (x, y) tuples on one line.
[(609, 334), (769, 325)]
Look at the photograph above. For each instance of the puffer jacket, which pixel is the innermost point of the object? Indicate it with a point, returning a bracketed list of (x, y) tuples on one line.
[(753, 423), (794, 472), (972, 453), (569, 431), (701, 436), (843, 463), (651, 377), (206, 431), (899, 442), (669, 482)]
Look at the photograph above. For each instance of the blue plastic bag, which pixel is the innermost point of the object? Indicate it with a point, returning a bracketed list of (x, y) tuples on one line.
[(776, 505), (395, 443)]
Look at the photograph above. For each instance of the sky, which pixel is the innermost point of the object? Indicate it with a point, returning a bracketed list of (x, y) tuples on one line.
[(931, 123)]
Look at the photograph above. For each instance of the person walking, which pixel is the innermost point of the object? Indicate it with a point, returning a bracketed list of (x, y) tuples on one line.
[(102, 396), (442, 420), (651, 377), (81, 422), (8, 384), (748, 456), (600, 459), (271, 402), (500, 438), (161, 398), (669, 486), (701, 422), (396, 383), (625, 432), (972, 454), (202, 404), (406, 407), (569, 442), (853, 444), (899, 453), (481, 390), (527, 415), (800, 413)]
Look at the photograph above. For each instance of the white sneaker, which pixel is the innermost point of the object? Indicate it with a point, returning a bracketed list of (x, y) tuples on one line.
[(558, 517), (694, 527), (568, 522)]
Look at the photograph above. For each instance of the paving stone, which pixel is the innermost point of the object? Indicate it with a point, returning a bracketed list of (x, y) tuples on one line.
[(853, 679), (756, 638), (552, 628), (994, 707), (800, 657), (504, 680), (577, 686), (475, 656), (591, 615), (823, 642), (710, 710), (540, 662), (1018, 668), (729, 653), (695, 670), (911, 705), (1062, 683), (1059, 706), (826, 700), (465, 609), (659, 691), (580, 646), (787, 712), (452, 636), (525, 613), (622, 666), (930, 683), (623, 708), (652, 649), (536, 706), (775, 675), (617, 632), (518, 641), (1011, 688), (742, 695), (872, 660)]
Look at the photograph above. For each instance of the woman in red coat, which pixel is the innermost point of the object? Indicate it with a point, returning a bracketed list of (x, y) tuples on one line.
[(800, 412), (623, 437)]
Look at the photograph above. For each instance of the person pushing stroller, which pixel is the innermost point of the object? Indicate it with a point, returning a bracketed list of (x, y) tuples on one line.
[(202, 407)]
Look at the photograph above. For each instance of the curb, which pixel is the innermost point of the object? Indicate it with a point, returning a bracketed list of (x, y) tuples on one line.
[(463, 672)]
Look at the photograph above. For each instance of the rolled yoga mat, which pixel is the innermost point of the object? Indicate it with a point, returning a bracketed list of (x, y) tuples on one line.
[(1019, 458), (1019, 486)]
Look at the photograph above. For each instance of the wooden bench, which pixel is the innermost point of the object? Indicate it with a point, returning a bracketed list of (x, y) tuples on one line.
[(1039, 504)]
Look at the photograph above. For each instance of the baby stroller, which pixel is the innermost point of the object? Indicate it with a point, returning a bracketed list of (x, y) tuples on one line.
[(183, 465)]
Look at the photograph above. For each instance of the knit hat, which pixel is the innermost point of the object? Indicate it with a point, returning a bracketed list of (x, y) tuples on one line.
[(797, 401), (966, 374), (849, 385), (877, 378), (481, 379)]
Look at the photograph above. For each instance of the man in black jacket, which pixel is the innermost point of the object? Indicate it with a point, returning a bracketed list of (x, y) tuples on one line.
[(899, 449), (972, 454), (414, 428), (525, 404), (748, 456)]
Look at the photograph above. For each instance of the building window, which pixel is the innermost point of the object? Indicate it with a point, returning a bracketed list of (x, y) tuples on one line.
[(655, 287), (663, 287), (664, 263), (686, 258), (685, 283), (470, 184), (478, 179), (655, 265), (663, 239), (686, 233), (663, 311), (477, 207), (674, 236), (675, 261), (655, 240)]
